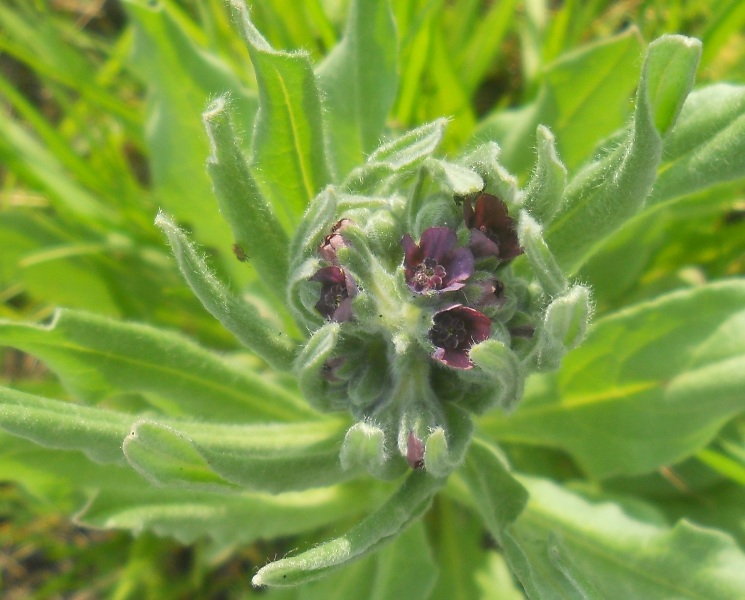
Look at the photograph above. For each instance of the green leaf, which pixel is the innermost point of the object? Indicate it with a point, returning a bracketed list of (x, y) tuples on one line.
[(358, 79), (564, 546), (236, 518), (380, 575), (706, 147), (407, 504), (274, 458), (253, 223), (96, 357), (468, 570), (182, 78), (64, 425), (649, 386), (608, 192), (497, 495), (163, 456), (583, 97), (288, 158), (118, 498), (242, 319)]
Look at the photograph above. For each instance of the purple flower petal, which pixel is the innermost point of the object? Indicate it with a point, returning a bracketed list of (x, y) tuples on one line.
[(435, 264), (493, 231), (454, 331), (337, 290), (332, 242), (459, 267), (437, 242), (414, 451)]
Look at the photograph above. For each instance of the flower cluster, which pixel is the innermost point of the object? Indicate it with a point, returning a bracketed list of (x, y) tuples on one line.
[(419, 313), (436, 266)]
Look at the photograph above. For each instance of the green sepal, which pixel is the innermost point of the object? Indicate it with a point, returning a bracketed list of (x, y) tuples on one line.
[(309, 366), (461, 180), (545, 189), (402, 155), (303, 294), (240, 318), (484, 160), (316, 224), (445, 447), (406, 505), (564, 326), (364, 448), (254, 225), (546, 270), (504, 373)]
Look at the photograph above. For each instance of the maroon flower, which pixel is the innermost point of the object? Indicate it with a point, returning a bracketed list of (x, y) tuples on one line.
[(414, 451), (492, 229), (332, 242), (337, 291), (454, 331), (436, 265)]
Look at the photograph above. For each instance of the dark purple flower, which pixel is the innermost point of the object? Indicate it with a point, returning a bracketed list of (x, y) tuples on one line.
[(454, 331), (436, 265), (414, 451), (337, 291), (492, 229), (332, 242)]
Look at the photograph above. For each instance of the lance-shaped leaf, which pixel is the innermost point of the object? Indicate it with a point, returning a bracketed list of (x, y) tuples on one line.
[(497, 496), (358, 79), (64, 425), (563, 546), (707, 146), (407, 504), (275, 458), (239, 317), (181, 78), (649, 386), (288, 155), (253, 223), (583, 97), (235, 518), (96, 357), (606, 193), (119, 498), (380, 575), (402, 155)]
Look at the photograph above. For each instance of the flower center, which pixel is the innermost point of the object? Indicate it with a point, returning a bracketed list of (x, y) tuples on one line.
[(333, 295), (428, 275), (449, 332)]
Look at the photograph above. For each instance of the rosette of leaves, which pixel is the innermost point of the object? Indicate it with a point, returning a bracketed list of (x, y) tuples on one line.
[(409, 295)]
